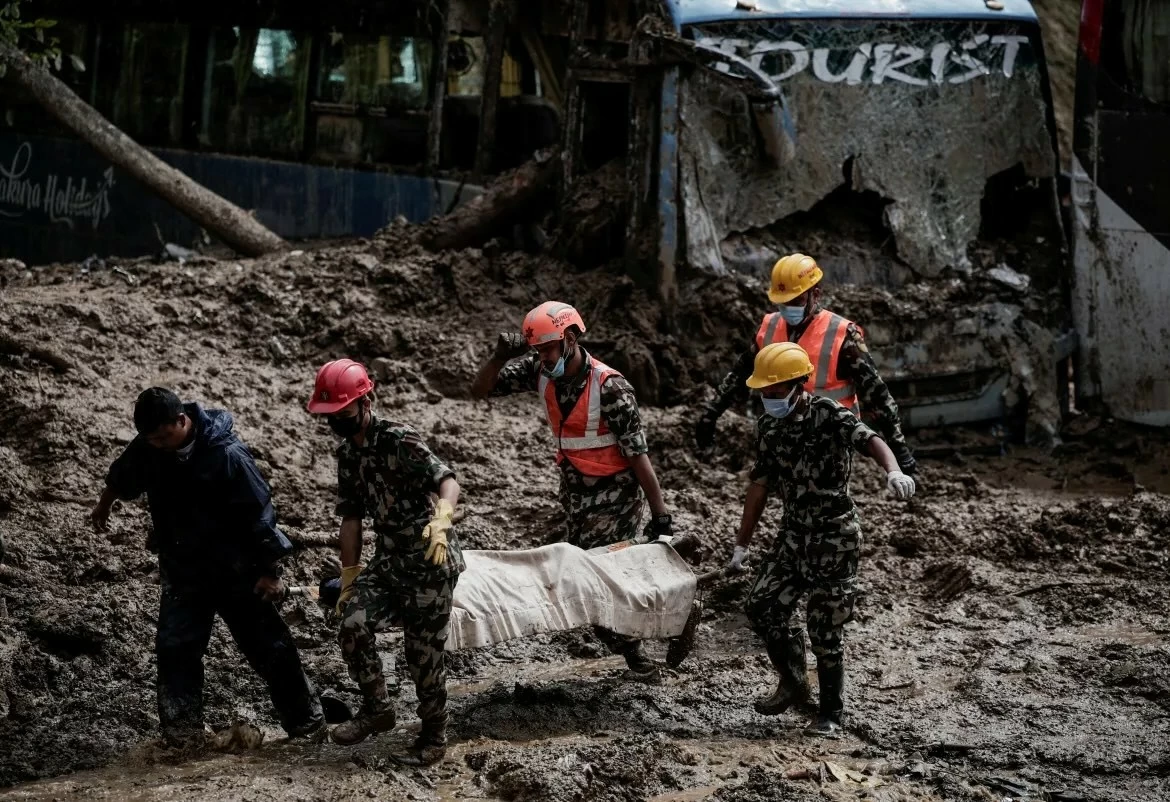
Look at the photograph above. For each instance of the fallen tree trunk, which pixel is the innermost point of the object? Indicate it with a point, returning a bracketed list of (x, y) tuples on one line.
[(510, 199), (230, 223)]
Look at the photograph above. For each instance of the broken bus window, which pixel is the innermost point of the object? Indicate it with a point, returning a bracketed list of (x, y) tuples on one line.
[(254, 99)]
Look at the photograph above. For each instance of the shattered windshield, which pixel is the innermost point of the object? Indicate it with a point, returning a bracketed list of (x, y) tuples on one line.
[(922, 113)]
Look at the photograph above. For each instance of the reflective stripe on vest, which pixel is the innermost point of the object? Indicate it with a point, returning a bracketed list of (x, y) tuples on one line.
[(591, 448), (822, 340)]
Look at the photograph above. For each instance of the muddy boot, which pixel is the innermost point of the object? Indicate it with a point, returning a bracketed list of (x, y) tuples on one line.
[(429, 747), (377, 715), (641, 667), (308, 730), (828, 720), (792, 686), (315, 732), (681, 646)]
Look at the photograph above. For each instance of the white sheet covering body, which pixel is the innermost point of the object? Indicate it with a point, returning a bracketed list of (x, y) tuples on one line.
[(643, 591)]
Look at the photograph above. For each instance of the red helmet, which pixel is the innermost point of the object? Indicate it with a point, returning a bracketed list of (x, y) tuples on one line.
[(339, 384), (547, 322)]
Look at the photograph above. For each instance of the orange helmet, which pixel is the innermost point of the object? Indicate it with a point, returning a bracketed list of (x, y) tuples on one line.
[(547, 322), (339, 384)]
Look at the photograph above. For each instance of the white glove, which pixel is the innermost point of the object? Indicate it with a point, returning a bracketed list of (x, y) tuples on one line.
[(737, 558), (900, 485)]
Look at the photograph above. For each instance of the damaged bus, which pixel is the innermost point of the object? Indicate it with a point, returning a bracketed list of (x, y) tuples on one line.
[(325, 121), (910, 146), (1121, 208)]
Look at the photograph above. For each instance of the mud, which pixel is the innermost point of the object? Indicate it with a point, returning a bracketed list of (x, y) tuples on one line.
[(1013, 627)]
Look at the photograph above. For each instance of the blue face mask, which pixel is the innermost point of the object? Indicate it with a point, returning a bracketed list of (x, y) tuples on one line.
[(558, 369), (779, 407), (793, 315)]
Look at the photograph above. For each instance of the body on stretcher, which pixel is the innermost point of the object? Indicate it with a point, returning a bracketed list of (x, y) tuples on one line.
[(640, 590)]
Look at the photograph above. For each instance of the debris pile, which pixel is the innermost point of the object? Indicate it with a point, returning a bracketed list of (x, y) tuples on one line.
[(77, 621)]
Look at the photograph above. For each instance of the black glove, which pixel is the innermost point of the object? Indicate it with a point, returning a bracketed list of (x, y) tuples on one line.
[(510, 345), (905, 458), (659, 526), (705, 429)]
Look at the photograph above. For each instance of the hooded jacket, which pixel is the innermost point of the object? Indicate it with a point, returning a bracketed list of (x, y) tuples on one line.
[(212, 511)]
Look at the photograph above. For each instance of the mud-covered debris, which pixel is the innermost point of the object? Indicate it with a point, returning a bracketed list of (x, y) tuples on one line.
[(13, 481), (1010, 278), (278, 350), (367, 260), (618, 770), (241, 736), (763, 785)]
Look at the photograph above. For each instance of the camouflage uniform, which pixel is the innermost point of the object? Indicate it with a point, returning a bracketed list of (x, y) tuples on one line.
[(599, 510), (854, 363), (806, 459), (390, 478)]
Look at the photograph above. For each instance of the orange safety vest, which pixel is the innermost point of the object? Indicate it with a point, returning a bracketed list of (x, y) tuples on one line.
[(822, 339), (583, 438)]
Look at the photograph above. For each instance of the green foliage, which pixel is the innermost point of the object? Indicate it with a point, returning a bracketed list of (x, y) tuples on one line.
[(30, 36)]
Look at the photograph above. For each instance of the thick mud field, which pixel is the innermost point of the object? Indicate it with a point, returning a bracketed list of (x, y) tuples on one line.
[(1011, 641)]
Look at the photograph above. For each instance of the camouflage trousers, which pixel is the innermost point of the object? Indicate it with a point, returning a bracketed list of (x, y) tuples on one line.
[(599, 515), (422, 607), (828, 576), (603, 513)]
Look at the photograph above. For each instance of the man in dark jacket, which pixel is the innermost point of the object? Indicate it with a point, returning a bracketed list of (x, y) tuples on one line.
[(219, 551)]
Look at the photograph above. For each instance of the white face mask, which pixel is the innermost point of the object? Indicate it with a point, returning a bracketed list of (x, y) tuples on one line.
[(779, 407)]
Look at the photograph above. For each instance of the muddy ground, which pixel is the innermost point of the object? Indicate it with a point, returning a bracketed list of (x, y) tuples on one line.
[(1011, 640)]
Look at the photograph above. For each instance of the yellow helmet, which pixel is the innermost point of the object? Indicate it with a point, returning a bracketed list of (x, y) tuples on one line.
[(792, 275), (779, 362)]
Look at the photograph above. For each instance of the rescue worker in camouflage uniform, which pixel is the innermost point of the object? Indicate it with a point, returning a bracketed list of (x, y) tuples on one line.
[(606, 475), (219, 552), (804, 455), (843, 369), (386, 472)]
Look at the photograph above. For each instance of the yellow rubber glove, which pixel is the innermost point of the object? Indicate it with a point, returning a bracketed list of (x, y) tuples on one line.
[(435, 533), (348, 591)]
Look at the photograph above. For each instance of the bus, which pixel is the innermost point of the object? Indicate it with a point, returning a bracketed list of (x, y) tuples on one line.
[(1121, 209), (322, 120), (909, 146)]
